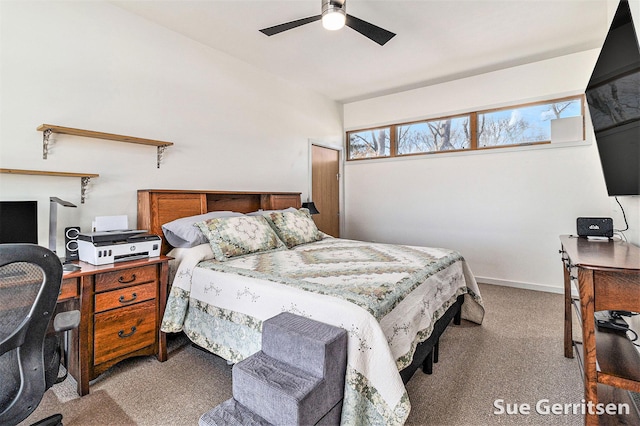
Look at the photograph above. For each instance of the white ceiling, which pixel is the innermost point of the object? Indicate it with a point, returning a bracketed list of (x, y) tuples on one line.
[(436, 41)]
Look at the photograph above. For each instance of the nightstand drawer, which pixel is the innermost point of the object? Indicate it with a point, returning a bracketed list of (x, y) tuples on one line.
[(125, 296), (122, 331), (125, 277), (68, 289)]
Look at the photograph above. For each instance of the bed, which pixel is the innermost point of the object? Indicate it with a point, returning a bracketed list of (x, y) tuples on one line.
[(393, 300)]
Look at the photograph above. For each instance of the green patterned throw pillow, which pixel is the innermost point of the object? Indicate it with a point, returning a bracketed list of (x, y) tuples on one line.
[(295, 227), (236, 236)]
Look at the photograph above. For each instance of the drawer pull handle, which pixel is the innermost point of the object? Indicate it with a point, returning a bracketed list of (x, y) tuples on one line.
[(121, 280), (123, 335), (122, 300)]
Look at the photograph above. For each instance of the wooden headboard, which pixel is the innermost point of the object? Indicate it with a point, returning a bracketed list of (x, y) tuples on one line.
[(159, 206)]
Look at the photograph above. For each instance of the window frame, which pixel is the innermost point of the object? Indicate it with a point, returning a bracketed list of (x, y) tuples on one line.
[(473, 130), (392, 145)]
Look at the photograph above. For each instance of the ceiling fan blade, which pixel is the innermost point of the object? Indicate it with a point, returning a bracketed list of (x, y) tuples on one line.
[(289, 25), (374, 32)]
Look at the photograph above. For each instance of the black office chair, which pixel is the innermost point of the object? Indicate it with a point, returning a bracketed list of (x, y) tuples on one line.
[(30, 280)]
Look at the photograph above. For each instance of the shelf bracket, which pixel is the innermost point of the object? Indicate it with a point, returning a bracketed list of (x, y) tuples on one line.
[(84, 182), (161, 149), (85, 177), (45, 142), (48, 129)]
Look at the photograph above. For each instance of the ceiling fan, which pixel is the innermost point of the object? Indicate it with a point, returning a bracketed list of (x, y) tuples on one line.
[(334, 16)]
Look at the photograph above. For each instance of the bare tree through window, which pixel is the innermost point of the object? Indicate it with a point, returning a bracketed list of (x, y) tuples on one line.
[(527, 124), (432, 136), (509, 126), (370, 143)]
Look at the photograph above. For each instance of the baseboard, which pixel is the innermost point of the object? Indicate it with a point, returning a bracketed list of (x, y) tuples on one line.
[(517, 284)]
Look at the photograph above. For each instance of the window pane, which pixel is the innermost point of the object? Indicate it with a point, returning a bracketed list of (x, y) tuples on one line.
[(370, 143), (432, 136), (523, 125)]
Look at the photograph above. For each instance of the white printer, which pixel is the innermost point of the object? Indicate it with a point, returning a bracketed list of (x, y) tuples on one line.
[(101, 248)]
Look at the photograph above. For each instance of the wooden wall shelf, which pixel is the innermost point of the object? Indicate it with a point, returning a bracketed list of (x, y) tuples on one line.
[(47, 129), (84, 177)]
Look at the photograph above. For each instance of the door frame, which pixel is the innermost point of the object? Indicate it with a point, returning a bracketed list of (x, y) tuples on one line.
[(340, 150)]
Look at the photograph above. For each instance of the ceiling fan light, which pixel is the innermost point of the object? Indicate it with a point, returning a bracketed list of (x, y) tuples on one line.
[(333, 19)]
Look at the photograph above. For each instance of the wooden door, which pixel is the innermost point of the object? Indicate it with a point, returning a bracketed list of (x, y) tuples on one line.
[(325, 188)]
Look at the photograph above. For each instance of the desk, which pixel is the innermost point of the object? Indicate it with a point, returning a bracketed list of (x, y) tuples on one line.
[(608, 278), (121, 307)]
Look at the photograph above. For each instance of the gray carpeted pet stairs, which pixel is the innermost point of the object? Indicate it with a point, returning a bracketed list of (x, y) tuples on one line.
[(296, 379)]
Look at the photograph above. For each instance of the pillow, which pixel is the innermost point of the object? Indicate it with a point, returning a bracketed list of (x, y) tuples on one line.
[(295, 227), (182, 233), (235, 236), (268, 212)]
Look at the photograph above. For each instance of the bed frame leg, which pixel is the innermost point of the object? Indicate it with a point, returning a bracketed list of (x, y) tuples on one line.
[(427, 365), (436, 351), (457, 319)]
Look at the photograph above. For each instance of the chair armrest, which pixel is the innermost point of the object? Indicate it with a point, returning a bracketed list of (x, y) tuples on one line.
[(65, 321)]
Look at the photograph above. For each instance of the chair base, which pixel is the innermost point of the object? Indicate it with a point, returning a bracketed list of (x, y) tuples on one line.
[(55, 420)]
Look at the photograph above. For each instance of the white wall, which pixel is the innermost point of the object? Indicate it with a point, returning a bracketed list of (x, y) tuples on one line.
[(91, 65), (503, 209)]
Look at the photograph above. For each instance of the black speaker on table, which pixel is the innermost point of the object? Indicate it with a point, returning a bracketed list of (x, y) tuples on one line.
[(595, 227), (71, 243)]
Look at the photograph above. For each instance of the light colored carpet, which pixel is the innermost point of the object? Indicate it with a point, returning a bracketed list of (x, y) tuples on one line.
[(95, 409), (516, 355)]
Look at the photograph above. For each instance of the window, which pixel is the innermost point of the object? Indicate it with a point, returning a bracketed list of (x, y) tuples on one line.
[(370, 143), (434, 135), (525, 124), (509, 126)]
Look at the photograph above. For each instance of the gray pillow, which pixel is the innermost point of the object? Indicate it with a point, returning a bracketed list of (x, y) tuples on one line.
[(184, 234)]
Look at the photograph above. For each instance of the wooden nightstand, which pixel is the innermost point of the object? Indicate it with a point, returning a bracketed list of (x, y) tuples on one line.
[(121, 306), (607, 277)]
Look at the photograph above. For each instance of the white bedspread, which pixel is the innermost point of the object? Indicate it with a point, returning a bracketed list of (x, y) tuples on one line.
[(387, 297)]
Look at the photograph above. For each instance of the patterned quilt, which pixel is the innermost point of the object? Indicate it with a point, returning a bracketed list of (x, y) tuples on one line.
[(386, 296)]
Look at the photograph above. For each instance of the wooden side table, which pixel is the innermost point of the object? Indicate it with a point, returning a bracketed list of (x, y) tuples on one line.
[(121, 307), (607, 274)]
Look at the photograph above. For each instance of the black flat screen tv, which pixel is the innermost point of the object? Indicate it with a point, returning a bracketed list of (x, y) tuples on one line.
[(613, 96), (19, 222)]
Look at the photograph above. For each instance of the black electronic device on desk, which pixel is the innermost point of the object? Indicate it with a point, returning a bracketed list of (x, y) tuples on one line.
[(595, 227)]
